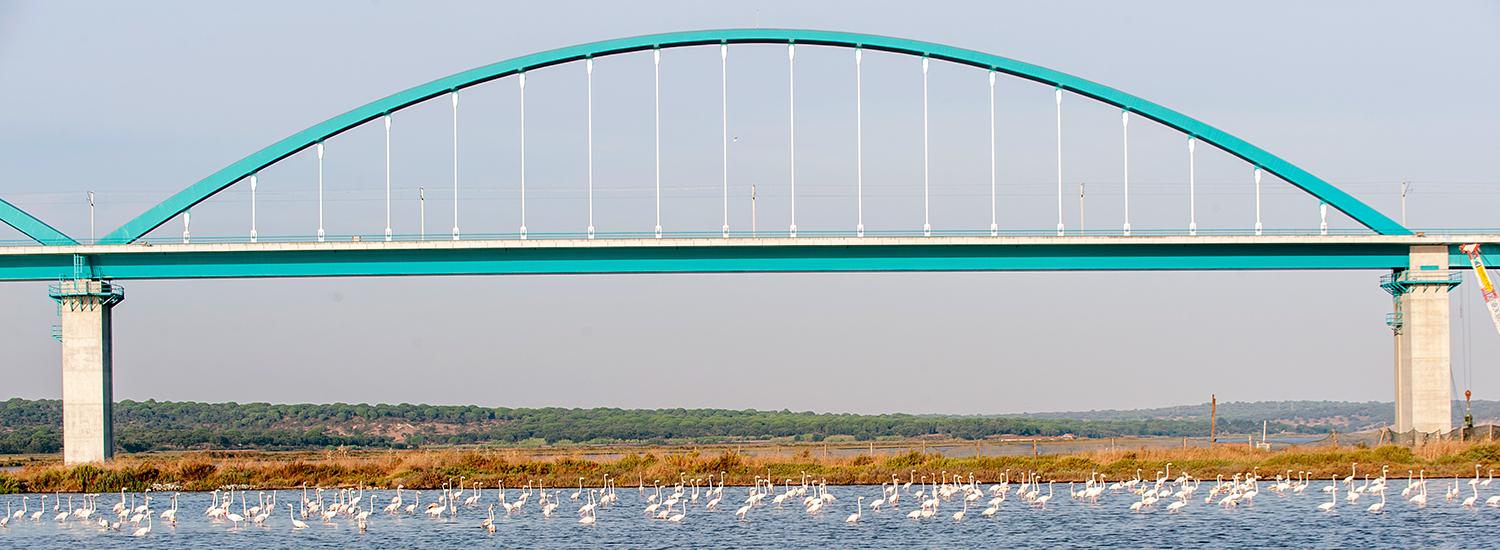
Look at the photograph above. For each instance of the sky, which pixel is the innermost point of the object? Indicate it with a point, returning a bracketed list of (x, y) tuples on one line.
[(136, 102)]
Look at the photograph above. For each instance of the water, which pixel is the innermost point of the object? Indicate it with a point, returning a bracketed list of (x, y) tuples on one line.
[(1269, 520)]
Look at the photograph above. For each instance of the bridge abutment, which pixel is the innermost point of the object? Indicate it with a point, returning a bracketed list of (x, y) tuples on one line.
[(1424, 383), (85, 306)]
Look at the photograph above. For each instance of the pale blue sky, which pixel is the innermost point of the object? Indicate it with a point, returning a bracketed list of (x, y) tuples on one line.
[(135, 102)]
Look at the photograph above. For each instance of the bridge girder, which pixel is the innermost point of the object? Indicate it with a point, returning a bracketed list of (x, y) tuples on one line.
[(714, 255)]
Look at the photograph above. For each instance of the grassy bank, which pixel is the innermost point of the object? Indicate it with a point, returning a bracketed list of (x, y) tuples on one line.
[(430, 469)]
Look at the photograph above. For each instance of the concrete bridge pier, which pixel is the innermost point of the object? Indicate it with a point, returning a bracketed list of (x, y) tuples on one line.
[(88, 387), (1424, 383)]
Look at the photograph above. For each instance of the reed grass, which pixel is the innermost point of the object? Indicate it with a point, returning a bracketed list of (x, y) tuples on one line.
[(428, 469)]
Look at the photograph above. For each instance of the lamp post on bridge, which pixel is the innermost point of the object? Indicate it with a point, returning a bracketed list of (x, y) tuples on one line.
[(753, 230), (91, 218), (421, 214), (1405, 186), (1081, 225)]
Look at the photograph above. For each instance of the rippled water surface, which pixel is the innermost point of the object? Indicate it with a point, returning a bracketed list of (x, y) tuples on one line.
[(1269, 520)]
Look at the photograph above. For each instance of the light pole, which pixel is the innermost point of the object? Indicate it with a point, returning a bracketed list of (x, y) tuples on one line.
[(422, 213), (91, 217), (752, 211), (254, 237), (1405, 186), (1080, 210)]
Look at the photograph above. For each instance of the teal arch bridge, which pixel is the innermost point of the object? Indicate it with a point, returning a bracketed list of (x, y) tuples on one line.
[(86, 275)]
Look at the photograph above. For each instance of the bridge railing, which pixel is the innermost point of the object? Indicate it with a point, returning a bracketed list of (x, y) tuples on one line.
[(772, 233)]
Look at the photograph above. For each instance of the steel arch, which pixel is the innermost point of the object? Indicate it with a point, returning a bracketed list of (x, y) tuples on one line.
[(32, 227), (218, 181)]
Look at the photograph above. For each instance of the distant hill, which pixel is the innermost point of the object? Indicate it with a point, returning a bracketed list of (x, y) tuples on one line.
[(1341, 415), (35, 426)]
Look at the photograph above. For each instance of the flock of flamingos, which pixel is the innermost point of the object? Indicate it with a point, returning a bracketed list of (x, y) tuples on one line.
[(949, 497)]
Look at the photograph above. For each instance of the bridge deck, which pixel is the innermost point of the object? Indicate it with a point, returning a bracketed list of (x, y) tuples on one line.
[(715, 255)]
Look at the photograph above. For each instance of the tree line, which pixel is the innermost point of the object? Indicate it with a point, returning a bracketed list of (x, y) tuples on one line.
[(35, 426)]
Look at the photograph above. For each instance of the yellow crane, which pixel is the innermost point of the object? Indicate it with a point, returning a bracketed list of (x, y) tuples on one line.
[(1486, 286), (1491, 301)]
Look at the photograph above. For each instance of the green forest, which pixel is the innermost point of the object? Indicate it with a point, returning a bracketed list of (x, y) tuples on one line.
[(35, 426)]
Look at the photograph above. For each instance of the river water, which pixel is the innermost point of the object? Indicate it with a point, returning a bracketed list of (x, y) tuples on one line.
[(1269, 520)]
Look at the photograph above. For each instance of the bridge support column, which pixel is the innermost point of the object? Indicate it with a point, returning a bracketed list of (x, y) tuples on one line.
[(88, 387), (1424, 383)]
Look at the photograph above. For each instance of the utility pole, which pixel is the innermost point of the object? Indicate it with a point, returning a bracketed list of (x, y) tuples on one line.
[(422, 213), (91, 217), (1213, 418), (1080, 209), (1405, 186), (752, 210)]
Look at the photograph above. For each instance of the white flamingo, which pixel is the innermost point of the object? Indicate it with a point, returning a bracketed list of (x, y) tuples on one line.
[(147, 529), (593, 515), (1379, 506), (1329, 506), (171, 515), (296, 523)]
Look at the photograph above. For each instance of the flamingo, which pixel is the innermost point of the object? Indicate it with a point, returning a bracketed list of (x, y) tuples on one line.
[(1328, 506), (585, 509), (171, 515), (1421, 498), (147, 529), (593, 515), (296, 523), (236, 518), (87, 509), (396, 500), (1473, 499), (65, 513), (489, 522), (1180, 504), (478, 492), (142, 508), (1042, 501), (1379, 506), (858, 507)]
